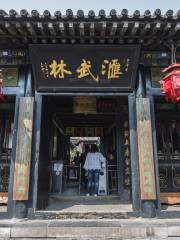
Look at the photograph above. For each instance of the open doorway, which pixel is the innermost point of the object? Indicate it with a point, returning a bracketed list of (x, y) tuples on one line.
[(6, 135), (66, 137)]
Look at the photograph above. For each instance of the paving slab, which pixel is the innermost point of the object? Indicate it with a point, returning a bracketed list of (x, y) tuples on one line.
[(174, 231), (4, 232), (25, 232)]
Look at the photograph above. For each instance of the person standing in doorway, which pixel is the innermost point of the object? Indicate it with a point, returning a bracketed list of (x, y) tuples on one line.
[(93, 164)]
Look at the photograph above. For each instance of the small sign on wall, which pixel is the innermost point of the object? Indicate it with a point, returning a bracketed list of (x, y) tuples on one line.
[(83, 104), (58, 167)]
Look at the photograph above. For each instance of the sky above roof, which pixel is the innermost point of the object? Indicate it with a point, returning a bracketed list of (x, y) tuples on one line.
[(95, 5)]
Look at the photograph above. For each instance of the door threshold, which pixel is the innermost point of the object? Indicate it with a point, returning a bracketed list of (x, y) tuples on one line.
[(84, 197)]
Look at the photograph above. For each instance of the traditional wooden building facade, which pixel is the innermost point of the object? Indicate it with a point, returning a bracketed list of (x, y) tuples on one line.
[(48, 62)]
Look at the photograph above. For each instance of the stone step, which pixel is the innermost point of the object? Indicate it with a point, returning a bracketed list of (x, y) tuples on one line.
[(84, 215), (90, 230)]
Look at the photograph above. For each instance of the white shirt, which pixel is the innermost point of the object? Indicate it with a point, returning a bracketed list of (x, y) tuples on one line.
[(93, 161)]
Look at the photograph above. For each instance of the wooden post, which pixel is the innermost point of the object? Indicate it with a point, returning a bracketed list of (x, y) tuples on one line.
[(35, 155), (11, 203), (23, 149), (134, 154), (145, 150)]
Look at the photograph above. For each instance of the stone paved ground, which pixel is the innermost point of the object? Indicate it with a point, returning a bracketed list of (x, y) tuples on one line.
[(109, 228), (151, 229), (3, 210), (89, 204)]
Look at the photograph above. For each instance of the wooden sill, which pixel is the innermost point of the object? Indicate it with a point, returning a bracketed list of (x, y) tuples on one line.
[(170, 197), (3, 197)]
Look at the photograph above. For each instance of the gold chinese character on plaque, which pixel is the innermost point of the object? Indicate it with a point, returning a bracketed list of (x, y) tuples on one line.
[(59, 69), (111, 68), (84, 70)]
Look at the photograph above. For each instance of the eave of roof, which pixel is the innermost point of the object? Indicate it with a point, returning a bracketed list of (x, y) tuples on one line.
[(146, 29)]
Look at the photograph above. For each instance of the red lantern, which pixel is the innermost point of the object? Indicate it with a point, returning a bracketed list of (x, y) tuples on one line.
[(2, 96), (171, 83)]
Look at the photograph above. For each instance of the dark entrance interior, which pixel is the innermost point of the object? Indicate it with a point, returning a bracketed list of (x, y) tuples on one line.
[(168, 148), (65, 135), (6, 128)]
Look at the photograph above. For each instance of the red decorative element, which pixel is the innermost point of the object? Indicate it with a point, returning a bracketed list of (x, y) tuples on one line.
[(171, 83), (2, 96)]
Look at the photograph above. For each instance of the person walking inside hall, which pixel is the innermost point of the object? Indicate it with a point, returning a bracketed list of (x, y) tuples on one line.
[(93, 165)]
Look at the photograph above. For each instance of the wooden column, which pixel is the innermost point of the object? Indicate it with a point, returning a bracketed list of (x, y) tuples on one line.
[(35, 155), (11, 203), (134, 153), (120, 159), (12, 208), (150, 93)]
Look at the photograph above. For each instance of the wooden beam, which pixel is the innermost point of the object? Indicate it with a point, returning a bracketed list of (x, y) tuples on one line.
[(103, 29), (51, 29), (25, 40), (73, 41), (141, 41), (110, 41), (156, 28), (20, 28), (61, 28), (102, 41), (40, 27), (130, 40), (71, 29), (81, 29), (177, 27), (82, 40), (10, 28), (30, 28), (167, 29), (91, 41), (113, 29), (174, 30), (121, 41), (14, 40), (149, 42), (124, 29), (63, 40), (4, 40), (2, 32), (35, 40), (145, 29), (54, 41), (44, 40), (91, 29), (135, 28)]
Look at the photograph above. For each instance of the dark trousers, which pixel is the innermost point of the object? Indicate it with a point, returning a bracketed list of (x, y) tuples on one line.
[(93, 181)]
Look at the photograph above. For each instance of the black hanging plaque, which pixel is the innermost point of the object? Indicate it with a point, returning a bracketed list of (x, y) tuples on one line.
[(84, 67)]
